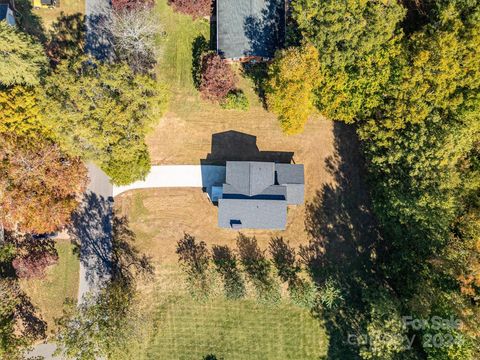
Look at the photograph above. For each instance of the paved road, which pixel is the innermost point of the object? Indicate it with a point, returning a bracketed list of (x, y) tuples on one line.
[(98, 42), (92, 226), (203, 176)]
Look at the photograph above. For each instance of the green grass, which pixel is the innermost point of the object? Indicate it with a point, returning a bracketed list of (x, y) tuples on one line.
[(236, 330), (60, 282), (175, 65), (182, 328)]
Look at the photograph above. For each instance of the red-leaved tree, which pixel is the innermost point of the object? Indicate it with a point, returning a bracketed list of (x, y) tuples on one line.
[(194, 8), (34, 255), (217, 77), (40, 185)]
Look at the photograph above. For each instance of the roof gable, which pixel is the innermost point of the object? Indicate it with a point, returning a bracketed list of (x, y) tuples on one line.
[(250, 178)]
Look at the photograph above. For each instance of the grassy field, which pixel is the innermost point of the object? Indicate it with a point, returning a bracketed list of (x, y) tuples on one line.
[(60, 283), (236, 330)]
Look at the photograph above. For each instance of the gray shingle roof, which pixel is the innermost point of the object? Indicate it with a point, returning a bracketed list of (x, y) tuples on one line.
[(250, 27), (292, 176), (253, 196), (250, 178), (252, 214)]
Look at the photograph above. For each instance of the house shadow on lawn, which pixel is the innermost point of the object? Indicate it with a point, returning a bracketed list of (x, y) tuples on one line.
[(344, 241), (237, 146)]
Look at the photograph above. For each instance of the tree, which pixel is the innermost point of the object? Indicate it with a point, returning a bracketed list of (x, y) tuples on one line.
[(134, 32), (422, 150), (293, 76), (40, 185), (257, 267), (22, 59), (226, 264), (113, 312), (33, 255), (102, 113), (20, 113), (195, 259), (217, 77), (19, 324), (194, 8), (358, 43)]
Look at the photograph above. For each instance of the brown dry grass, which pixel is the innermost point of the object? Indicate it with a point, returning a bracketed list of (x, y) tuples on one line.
[(161, 216)]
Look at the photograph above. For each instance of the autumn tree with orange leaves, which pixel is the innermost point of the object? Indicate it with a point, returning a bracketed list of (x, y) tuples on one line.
[(40, 185)]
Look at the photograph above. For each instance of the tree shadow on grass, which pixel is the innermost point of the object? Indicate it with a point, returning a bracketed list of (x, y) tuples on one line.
[(344, 242), (67, 37), (28, 21), (16, 306), (105, 243), (258, 74)]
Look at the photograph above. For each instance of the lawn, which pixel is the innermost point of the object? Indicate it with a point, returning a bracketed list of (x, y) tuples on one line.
[(68, 7), (176, 326), (60, 283), (236, 330)]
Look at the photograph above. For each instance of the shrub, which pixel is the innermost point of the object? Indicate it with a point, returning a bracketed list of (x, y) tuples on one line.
[(303, 293), (217, 78), (235, 100), (284, 259), (194, 8), (34, 256), (330, 294)]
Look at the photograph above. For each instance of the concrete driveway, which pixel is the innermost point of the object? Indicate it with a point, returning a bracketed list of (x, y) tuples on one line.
[(199, 176)]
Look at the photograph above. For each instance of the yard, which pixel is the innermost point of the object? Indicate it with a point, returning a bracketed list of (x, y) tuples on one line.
[(60, 283), (67, 7), (191, 132)]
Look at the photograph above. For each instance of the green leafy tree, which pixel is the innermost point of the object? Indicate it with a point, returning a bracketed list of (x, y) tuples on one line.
[(22, 60), (292, 78), (102, 112), (358, 43), (113, 313), (20, 113)]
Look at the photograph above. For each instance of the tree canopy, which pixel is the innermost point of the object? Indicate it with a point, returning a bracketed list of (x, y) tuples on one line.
[(22, 60), (102, 113), (358, 46), (293, 76), (40, 185)]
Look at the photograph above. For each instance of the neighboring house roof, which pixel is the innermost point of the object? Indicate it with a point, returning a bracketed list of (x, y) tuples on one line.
[(250, 27), (6, 13), (256, 194)]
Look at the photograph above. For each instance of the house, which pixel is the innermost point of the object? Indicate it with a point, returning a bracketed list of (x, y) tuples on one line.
[(250, 29), (255, 195), (6, 13)]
